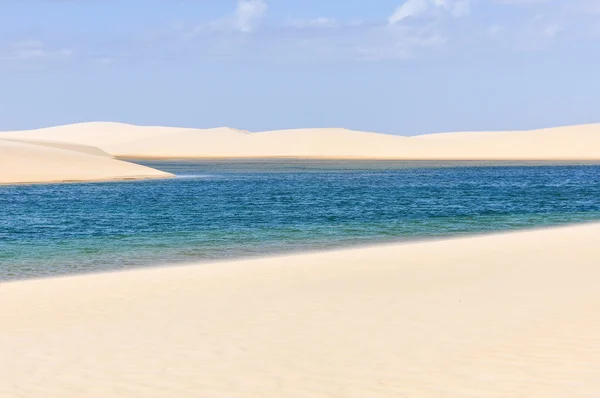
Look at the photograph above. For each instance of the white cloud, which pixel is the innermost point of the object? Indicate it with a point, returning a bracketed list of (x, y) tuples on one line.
[(461, 8), (417, 8), (530, 34), (520, 2), (246, 18), (416, 28), (321, 22), (28, 44), (32, 50), (411, 8), (550, 31), (249, 14), (589, 6), (545, 27), (400, 42)]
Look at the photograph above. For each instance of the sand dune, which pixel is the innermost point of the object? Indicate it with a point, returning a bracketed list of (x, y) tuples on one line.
[(512, 315), (219, 143), (90, 150), (562, 143), (98, 134), (572, 142), (29, 162)]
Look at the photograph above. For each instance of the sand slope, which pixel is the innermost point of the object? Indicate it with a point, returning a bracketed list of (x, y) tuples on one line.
[(98, 134), (572, 142), (562, 143), (90, 150), (320, 143), (512, 315), (29, 162)]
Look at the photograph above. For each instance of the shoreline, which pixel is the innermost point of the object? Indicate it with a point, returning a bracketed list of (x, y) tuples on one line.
[(282, 255), (91, 181), (31, 162), (592, 160), (504, 315)]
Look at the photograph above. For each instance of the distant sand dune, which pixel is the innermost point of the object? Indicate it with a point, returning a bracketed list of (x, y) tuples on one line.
[(509, 315), (219, 143), (28, 162), (98, 134), (58, 153), (562, 143), (572, 142)]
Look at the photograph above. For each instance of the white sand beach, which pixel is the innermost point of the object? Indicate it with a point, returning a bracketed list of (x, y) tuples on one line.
[(23, 161), (508, 315), (562, 143)]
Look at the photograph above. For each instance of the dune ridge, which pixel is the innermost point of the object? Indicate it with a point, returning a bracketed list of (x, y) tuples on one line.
[(580, 142), (23, 161), (507, 315)]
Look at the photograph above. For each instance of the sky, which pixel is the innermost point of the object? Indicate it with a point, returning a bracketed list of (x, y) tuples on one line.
[(391, 66)]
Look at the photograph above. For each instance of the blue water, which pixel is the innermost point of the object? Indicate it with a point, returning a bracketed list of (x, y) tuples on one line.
[(220, 209)]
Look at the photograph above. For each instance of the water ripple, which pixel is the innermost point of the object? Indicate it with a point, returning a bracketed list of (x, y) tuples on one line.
[(225, 209)]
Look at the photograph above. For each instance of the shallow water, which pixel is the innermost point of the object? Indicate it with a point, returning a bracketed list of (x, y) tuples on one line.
[(225, 209)]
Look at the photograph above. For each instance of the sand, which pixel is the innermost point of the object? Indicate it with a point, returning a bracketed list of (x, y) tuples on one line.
[(86, 149), (99, 134), (510, 315), (23, 161), (561, 143)]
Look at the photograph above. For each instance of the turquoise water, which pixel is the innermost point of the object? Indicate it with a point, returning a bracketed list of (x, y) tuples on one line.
[(225, 209)]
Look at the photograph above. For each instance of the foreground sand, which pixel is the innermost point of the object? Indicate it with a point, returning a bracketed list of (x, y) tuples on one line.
[(561, 143), (513, 315), (24, 161)]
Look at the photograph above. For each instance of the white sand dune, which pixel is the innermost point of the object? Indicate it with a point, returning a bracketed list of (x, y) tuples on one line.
[(562, 143), (512, 315), (225, 143), (40, 161), (90, 150), (98, 134)]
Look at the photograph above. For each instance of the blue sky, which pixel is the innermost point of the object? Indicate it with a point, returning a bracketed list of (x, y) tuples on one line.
[(393, 66)]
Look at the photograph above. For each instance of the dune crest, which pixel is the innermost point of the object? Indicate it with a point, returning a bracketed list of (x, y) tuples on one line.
[(36, 161), (122, 140)]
